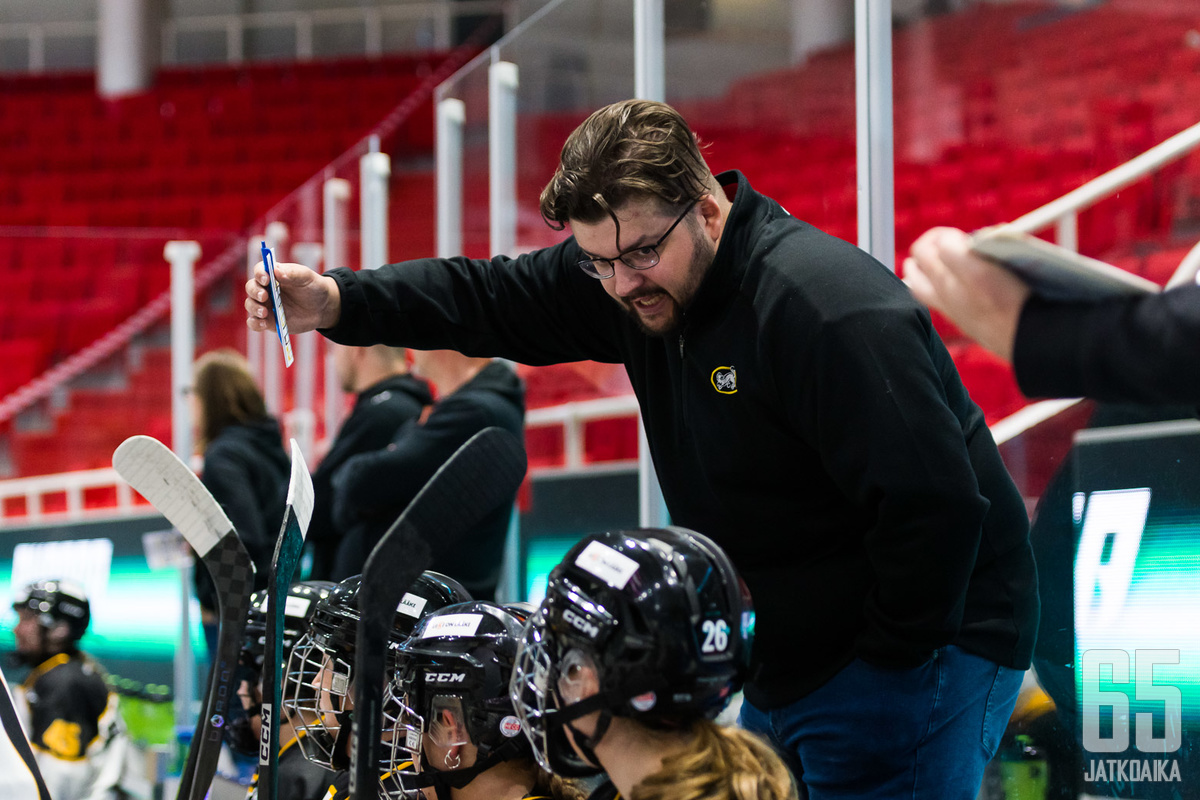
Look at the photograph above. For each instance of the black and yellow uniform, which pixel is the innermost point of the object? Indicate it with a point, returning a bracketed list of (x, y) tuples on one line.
[(297, 777), (74, 726)]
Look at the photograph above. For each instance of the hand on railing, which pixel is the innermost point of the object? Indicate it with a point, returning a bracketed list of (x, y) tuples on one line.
[(310, 300)]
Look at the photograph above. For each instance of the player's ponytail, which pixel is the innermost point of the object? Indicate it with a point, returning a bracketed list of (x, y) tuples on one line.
[(720, 764)]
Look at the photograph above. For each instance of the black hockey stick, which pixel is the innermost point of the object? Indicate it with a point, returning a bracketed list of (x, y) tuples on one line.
[(481, 475), (16, 735), (157, 474), (283, 567)]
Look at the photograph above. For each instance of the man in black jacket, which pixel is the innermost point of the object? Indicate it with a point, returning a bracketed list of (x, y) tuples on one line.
[(388, 397), (801, 411), (474, 393)]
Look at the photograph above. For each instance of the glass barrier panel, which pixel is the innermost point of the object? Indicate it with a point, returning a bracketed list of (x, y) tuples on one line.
[(999, 109)]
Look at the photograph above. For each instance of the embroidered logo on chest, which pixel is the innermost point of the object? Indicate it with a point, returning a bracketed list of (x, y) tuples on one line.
[(724, 380)]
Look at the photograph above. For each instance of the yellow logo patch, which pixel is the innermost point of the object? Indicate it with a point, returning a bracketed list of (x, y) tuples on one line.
[(62, 739), (724, 380)]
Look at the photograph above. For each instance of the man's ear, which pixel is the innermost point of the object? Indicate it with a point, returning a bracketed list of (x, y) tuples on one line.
[(713, 219)]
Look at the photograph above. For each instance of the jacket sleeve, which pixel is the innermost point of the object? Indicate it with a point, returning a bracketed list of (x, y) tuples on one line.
[(872, 402), (229, 481), (1143, 349), (372, 484), (539, 308), (368, 428)]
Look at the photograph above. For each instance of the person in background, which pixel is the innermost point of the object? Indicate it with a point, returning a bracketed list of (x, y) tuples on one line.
[(245, 467), (372, 489), (641, 641), (71, 717), (387, 397), (1132, 348)]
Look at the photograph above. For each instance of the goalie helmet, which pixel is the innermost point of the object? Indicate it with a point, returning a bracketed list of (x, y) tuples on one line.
[(663, 619), (56, 601), (320, 671), (458, 662)]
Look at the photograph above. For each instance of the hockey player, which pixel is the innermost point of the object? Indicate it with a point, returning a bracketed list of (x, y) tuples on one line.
[(298, 778), (318, 688), (641, 640), (456, 721), (67, 710)]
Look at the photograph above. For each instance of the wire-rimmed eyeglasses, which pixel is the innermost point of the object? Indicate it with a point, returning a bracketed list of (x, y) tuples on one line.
[(643, 257)]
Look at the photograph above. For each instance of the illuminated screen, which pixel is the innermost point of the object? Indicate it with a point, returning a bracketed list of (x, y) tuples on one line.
[(1136, 510), (134, 630)]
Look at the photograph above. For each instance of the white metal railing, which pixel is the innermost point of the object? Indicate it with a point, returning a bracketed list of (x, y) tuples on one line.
[(1063, 213), (35, 491), (436, 15)]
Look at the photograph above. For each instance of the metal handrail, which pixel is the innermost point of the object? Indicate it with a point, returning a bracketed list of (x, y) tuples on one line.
[(1063, 212)]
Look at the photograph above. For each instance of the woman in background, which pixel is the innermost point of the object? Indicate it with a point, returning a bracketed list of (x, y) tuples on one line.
[(245, 466)]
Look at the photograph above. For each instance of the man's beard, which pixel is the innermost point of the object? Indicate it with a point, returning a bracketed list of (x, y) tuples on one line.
[(703, 253)]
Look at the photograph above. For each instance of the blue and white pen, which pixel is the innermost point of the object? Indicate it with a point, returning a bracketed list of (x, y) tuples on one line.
[(277, 302)]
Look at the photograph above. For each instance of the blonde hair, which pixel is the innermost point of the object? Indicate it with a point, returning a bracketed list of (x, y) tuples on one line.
[(227, 394), (720, 764)]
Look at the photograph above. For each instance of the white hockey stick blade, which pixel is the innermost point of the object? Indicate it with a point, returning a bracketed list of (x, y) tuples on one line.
[(300, 489), (158, 475)]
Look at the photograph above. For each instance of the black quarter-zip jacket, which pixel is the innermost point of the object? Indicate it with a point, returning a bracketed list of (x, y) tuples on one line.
[(807, 417)]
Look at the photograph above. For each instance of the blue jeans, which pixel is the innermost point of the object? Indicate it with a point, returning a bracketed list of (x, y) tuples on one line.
[(920, 734)]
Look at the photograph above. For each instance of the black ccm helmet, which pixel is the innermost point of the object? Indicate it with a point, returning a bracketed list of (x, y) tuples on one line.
[(663, 618), (317, 683), (459, 661), (56, 601)]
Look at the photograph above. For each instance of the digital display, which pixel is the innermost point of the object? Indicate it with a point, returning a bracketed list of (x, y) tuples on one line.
[(1136, 509)]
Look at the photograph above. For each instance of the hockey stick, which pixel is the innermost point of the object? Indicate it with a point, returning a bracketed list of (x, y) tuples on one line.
[(283, 567), (480, 476), (16, 735), (157, 474)]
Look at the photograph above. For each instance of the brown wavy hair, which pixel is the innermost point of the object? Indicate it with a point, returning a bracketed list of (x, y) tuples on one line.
[(227, 394), (635, 148), (720, 763)]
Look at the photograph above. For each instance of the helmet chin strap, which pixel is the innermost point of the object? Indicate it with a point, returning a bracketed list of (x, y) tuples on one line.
[(568, 714), (444, 780), (340, 758)]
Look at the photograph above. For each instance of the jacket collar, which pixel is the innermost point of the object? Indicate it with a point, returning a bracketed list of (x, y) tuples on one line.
[(724, 278)]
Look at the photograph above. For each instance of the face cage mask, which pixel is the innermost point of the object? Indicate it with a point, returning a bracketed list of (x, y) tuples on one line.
[(534, 690), (316, 690)]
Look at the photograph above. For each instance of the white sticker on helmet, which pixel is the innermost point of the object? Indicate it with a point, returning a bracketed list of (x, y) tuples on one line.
[(644, 702), (412, 740), (296, 606), (412, 605), (607, 564), (451, 625), (510, 726)]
